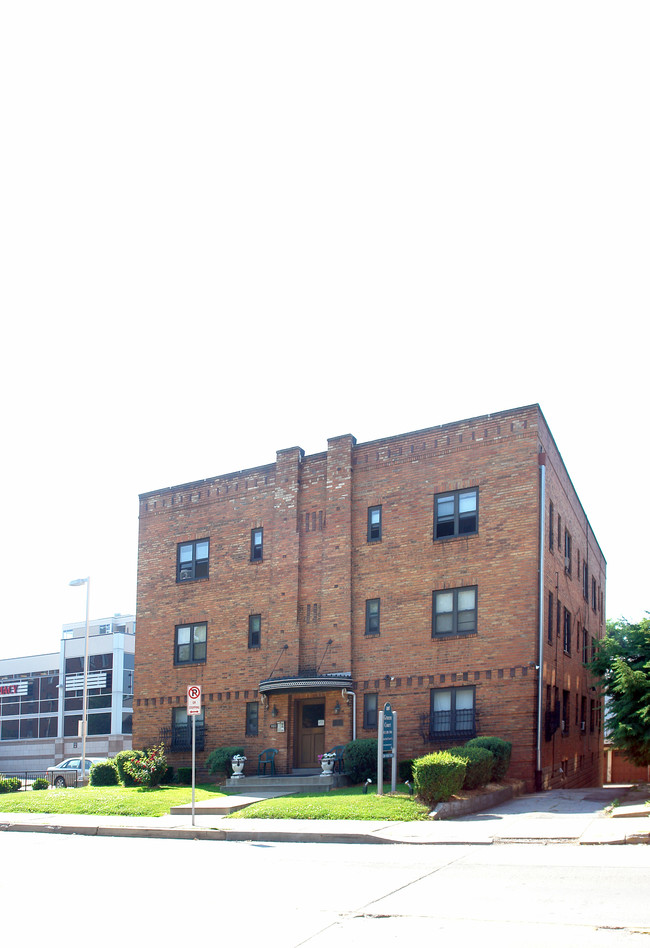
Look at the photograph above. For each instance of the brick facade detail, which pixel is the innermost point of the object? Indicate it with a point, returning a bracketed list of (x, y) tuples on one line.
[(318, 568)]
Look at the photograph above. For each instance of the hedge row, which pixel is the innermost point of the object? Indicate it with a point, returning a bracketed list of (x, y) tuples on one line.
[(442, 774)]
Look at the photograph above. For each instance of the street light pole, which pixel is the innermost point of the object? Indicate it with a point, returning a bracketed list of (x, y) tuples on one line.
[(84, 716)]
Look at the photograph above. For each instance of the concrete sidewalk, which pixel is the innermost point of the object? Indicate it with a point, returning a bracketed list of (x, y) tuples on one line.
[(559, 816)]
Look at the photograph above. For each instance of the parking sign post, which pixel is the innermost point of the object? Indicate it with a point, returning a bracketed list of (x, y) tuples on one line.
[(193, 708)]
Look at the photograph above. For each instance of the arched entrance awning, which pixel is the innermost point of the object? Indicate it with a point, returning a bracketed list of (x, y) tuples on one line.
[(305, 683)]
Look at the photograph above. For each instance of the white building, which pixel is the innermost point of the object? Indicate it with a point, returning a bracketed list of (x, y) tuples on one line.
[(41, 697)]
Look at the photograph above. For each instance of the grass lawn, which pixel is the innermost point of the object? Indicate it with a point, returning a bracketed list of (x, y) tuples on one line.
[(344, 803), (107, 801)]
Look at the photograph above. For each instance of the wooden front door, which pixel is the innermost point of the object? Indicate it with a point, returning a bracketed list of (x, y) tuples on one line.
[(310, 733)]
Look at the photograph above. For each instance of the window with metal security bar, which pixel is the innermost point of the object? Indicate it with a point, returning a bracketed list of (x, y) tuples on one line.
[(179, 736), (452, 713), (192, 560)]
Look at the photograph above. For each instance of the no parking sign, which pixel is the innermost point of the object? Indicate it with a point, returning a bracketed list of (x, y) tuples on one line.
[(194, 699)]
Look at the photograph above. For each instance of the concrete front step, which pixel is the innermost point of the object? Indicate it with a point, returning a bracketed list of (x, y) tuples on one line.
[(286, 783), (222, 806)]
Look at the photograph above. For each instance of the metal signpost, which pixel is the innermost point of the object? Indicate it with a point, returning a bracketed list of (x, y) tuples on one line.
[(387, 747), (193, 708)]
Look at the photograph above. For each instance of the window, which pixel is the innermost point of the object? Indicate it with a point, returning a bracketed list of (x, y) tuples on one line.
[(593, 593), (252, 718), (585, 581), (257, 536), (567, 631), (47, 727), (29, 728), (372, 616), (550, 618), (565, 712), (254, 631), (191, 643), (9, 731), (567, 552), (192, 560), (452, 713), (370, 711), (374, 524), (550, 527), (454, 611), (99, 723), (456, 513)]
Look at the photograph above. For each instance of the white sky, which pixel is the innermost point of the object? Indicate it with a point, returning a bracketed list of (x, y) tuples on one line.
[(229, 228)]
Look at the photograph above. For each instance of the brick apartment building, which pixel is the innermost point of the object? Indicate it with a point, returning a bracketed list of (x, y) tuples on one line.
[(451, 571)]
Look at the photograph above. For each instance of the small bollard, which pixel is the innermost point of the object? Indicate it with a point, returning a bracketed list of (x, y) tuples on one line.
[(366, 785), (410, 786)]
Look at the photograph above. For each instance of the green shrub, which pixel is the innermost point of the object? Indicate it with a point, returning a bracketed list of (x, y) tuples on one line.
[(149, 769), (218, 762), (405, 770), (480, 762), (120, 760), (4, 785), (184, 775), (500, 749), (168, 776), (360, 760), (40, 784), (438, 776), (104, 774)]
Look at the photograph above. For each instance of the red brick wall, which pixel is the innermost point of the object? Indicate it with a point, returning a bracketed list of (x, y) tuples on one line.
[(318, 571)]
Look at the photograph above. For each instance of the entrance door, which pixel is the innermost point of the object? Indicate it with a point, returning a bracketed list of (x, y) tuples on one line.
[(310, 733)]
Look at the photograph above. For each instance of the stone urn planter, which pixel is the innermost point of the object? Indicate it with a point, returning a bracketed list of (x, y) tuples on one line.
[(237, 763), (327, 764)]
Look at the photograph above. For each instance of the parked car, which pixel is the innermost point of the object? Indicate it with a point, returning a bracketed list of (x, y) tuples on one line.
[(68, 772)]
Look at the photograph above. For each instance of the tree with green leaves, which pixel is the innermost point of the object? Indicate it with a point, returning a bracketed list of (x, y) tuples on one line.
[(622, 663)]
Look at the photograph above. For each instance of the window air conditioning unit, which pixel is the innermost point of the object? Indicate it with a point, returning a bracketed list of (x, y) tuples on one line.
[(583, 726), (563, 725), (567, 563), (186, 574)]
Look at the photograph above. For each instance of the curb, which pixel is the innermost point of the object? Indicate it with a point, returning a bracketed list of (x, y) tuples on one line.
[(451, 809)]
